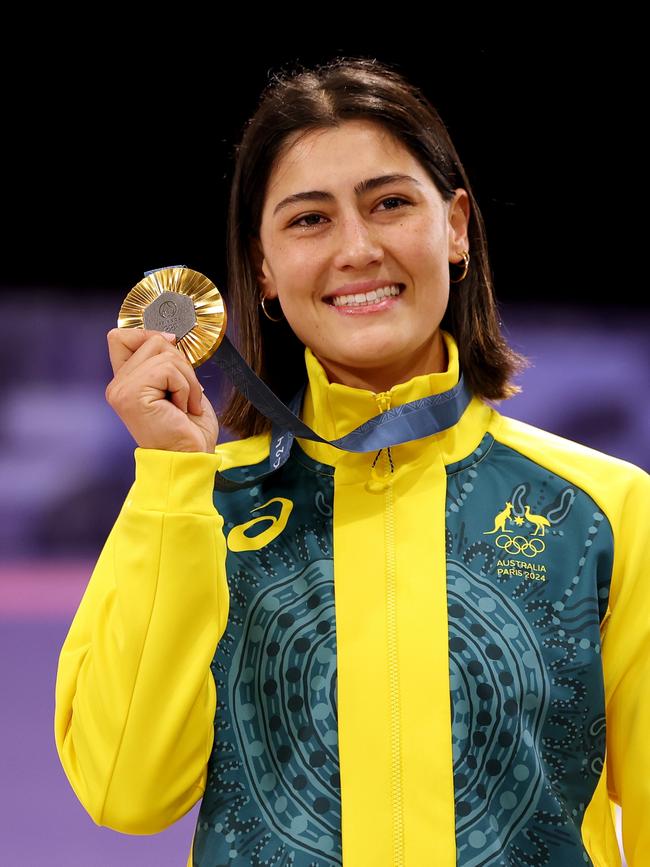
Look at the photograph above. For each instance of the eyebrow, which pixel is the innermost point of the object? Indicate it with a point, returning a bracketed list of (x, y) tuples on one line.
[(360, 188)]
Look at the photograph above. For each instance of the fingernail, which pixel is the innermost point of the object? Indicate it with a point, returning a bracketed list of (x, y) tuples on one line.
[(168, 336)]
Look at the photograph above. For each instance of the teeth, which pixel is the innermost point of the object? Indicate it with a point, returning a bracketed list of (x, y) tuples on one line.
[(366, 297)]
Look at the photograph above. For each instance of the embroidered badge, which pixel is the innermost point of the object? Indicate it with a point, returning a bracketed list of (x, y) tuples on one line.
[(528, 546)]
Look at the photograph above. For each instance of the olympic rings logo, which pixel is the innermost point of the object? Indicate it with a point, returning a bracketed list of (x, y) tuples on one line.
[(520, 545)]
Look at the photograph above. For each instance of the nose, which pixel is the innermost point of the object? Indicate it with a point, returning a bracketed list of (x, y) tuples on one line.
[(357, 244)]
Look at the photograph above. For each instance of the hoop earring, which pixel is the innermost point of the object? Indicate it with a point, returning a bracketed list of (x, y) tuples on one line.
[(465, 255), (266, 314)]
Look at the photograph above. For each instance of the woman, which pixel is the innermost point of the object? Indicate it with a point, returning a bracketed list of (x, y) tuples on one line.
[(365, 659)]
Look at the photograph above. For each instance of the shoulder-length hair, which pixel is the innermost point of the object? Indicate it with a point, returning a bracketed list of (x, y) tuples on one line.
[(324, 97)]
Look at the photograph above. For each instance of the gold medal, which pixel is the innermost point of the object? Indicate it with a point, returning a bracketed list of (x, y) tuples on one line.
[(179, 301)]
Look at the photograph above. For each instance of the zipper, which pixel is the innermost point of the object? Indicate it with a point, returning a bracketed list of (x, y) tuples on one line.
[(380, 476), (381, 479)]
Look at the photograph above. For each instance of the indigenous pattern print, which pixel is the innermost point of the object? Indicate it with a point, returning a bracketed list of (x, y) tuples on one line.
[(273, 788), (528, 707), (529, 561)]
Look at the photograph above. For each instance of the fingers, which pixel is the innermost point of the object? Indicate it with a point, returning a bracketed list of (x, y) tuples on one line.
[(131, 348), (184, 386), (123, 342), (156, 379), (171, 381)]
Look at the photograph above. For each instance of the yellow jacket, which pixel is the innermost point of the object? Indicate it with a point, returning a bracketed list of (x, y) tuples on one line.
[(442, 659)]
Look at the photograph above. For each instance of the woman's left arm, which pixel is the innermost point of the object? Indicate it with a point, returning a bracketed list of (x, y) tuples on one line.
[(626, 666)]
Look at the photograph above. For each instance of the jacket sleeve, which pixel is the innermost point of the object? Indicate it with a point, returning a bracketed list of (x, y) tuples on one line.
[(135, 698), (626, 663)]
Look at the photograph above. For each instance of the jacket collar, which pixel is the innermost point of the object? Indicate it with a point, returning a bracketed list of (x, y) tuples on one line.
[(332, 410)]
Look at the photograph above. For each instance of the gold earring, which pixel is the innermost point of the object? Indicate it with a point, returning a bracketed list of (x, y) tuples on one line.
[(266, 314), (465, 255)]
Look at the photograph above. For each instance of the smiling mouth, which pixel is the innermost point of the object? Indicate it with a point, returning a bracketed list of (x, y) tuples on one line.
[(363, 299)]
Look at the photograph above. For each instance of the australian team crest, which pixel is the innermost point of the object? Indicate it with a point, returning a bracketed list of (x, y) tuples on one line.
[(531, 544), (521, 533)]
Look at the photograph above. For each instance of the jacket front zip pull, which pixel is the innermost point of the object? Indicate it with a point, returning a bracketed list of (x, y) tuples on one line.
[(382, 465)]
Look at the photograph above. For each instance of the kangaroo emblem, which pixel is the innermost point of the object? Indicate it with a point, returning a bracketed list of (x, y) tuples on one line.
[(500, 521), (538, 520)]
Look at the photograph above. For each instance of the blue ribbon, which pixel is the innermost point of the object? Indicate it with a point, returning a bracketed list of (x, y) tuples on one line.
[(410, 421)]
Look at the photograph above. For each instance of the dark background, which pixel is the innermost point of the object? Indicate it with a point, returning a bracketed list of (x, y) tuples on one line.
[(119, 154), (119, 151)]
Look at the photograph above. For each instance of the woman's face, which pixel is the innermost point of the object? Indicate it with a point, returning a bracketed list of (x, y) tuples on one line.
[(319, 237)]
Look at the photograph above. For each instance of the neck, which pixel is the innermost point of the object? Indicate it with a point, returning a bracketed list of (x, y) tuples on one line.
[(430, 358)]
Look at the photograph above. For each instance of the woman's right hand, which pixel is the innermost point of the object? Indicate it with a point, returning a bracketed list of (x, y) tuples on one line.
[(146, 365)]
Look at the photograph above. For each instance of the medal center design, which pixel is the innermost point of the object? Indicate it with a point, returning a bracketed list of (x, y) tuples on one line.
[(172, 312)]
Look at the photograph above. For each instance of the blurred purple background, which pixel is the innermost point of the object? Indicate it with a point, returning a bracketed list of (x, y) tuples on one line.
[(67, 463)]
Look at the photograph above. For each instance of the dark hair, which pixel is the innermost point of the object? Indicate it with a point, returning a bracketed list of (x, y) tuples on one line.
[(324, 97)]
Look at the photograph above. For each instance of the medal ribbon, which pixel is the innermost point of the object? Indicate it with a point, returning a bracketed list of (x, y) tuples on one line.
[(410, 421)]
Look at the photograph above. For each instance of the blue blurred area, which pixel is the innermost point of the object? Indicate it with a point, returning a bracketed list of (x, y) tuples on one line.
[(67, 460)]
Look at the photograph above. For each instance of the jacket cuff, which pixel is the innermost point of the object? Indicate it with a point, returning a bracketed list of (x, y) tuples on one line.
[(168, 481)]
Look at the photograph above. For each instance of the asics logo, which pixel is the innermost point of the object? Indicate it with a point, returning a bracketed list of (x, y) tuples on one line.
[(239, 541)]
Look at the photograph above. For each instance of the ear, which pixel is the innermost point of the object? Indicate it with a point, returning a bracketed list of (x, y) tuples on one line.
[(459, 211), (263, 277)]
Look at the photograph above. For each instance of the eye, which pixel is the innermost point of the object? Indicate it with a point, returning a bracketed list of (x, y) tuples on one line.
[(299, 221), (394, 199)]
